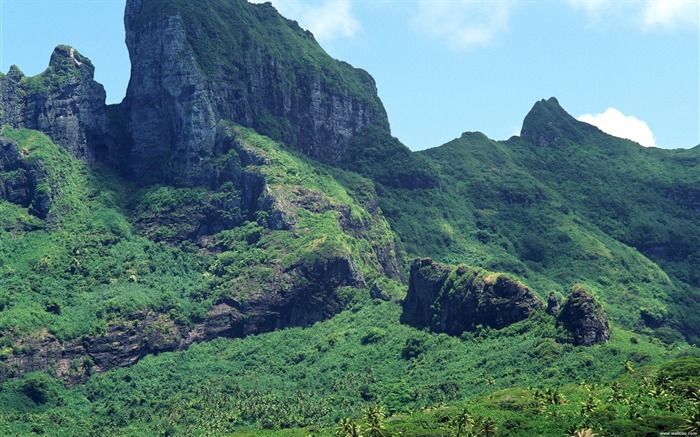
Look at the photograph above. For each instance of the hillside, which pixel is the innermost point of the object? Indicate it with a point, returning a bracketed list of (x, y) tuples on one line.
[(232, 250), (564, 204)]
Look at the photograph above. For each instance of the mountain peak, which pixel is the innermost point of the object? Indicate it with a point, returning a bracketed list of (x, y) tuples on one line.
[(548, 123)]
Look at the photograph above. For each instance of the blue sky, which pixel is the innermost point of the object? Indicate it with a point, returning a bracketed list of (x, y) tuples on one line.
[(448, 66)]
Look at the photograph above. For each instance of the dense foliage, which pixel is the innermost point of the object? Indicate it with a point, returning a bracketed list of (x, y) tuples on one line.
[(564, 204), (362, 358), (600, 211)]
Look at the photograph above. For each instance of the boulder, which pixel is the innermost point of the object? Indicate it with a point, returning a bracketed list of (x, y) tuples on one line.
[(584, 319)]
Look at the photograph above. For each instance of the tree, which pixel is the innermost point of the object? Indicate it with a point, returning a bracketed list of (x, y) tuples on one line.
[(588, 432), (347, 428), (629, 367), (693, 422), (374, 415), (488, 427), (463, 423)]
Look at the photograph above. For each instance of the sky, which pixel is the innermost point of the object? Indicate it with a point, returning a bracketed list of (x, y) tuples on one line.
[(443, 67)]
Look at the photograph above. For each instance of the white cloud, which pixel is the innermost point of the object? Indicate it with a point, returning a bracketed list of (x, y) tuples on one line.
[(463, 23), (670, 14), (649, 14), (327, 19), (616, 123)]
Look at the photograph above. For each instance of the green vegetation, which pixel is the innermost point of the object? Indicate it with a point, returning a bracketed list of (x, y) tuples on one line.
[(604, 213), (314, 377), (592, 209), (109, 249)]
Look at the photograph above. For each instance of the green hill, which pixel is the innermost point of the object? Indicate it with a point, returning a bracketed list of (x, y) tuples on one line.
[(227, 252), (565, 204)]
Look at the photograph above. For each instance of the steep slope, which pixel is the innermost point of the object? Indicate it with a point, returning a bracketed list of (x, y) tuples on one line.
[(107, 273), (564, 204), (135, 231)]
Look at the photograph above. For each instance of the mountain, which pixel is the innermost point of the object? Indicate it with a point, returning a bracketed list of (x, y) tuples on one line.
[(242, 246), (564, 204)]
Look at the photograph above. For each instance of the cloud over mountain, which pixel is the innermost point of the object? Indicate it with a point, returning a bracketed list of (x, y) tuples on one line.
[(615, 123)]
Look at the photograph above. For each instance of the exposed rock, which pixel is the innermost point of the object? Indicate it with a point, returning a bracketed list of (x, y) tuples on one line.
[(187, 75), (583, 317), (552, 304), (63, 102), (20, 180), (310, 296), (548, 124), (375, 292), (457, 299)]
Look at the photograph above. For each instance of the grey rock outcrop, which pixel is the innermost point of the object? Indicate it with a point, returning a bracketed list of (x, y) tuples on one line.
[(64, 102), (457, 299), (583, 317), (552, 304), (187, 75), (20, 181), (310, 296)]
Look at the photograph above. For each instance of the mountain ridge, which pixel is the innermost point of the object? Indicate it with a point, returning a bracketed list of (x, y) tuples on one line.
[(235, 237)]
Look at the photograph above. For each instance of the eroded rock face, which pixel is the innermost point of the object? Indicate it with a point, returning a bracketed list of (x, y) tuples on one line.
[(583, 317), (185, 78), (20, 179), (552, 304), (457, 299), (64, 102), (310, 296)]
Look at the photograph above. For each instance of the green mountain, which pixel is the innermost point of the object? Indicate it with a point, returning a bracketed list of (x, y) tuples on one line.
[(230, 251), (564, 204)]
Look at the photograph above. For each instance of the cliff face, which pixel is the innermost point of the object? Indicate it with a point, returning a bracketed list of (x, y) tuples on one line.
[(281, 237), (310, 297), (20, 180), (195, 65), (457, 299), (63, 102)]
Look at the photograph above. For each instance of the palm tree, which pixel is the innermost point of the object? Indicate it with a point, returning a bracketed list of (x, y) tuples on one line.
[(347, 428), (374, 415), (589, 406), (488, 428), (463, 422), (693, 423), (663, 380)]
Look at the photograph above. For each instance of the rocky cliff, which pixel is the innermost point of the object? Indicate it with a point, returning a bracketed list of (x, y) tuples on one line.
[(309, 296), (548, 124), (21, 180), (192, 66), (63, 102), (457, 299), (583, 317)]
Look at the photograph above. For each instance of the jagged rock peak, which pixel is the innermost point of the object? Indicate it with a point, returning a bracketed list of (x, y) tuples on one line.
[(63, 101), (583, 317), (15, 73), (193, 65), (454, 299), (548, 124)]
